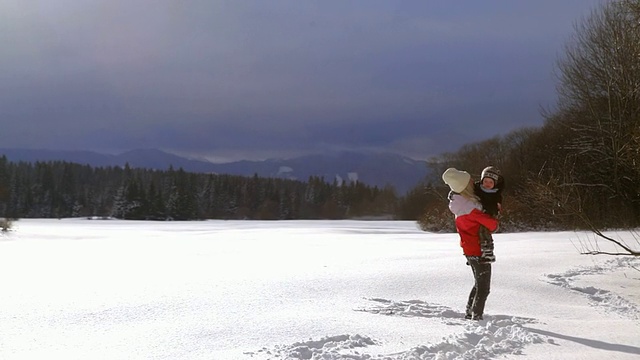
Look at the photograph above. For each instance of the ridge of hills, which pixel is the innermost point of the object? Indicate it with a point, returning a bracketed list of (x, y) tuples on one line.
[(374, 169)]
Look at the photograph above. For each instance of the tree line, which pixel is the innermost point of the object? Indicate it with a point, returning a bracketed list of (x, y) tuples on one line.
[(581, 169), (58, 189)]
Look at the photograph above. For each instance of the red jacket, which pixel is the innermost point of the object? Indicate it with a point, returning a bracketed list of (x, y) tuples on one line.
[(469, 218), (468, 227)]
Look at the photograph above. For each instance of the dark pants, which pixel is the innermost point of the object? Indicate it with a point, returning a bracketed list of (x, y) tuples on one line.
[(481, 287)]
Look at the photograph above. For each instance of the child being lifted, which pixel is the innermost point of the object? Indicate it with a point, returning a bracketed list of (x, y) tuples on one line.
[(489, 190)]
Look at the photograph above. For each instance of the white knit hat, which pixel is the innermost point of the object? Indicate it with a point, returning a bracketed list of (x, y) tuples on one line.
[(456, 179)]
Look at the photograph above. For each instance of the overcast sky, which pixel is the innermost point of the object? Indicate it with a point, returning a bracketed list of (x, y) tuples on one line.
[(252, 79)]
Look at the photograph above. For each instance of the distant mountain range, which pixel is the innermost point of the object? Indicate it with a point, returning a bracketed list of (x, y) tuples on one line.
[(376, 169)]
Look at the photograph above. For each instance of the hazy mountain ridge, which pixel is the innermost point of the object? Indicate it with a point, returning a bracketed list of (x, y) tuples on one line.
[(377, 169)]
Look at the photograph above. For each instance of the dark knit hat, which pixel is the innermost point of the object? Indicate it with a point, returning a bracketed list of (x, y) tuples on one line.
[(490, 172)]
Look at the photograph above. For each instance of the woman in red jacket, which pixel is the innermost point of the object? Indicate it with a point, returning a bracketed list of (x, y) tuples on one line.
[(466, 207)]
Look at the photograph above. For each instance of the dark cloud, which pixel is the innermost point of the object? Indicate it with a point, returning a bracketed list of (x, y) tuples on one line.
[(252, 79)]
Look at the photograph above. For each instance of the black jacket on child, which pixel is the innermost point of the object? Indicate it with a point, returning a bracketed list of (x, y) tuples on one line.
[(490, 198)]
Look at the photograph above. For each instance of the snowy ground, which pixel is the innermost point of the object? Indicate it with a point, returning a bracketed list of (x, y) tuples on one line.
[(216, 290)]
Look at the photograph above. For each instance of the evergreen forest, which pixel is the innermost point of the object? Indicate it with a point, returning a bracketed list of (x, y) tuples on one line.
[(63, 189)]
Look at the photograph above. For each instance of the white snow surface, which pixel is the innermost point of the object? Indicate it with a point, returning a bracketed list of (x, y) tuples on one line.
[(359, 290), (285, 170)]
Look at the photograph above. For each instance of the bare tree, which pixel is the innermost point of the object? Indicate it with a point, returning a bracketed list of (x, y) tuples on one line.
[(599, 100)]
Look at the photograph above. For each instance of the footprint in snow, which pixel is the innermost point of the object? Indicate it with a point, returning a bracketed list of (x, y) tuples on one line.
[(605, 299), (327, 348), (411, 308), (495, 336)]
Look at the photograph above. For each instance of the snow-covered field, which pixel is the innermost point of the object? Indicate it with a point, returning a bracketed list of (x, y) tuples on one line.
[(215, 290)]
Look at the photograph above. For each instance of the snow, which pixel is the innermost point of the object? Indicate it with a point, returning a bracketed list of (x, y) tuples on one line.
[(110, 289), (285, 170)]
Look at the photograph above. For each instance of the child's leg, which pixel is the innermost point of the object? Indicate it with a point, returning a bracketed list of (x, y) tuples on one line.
[(486, 244)]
